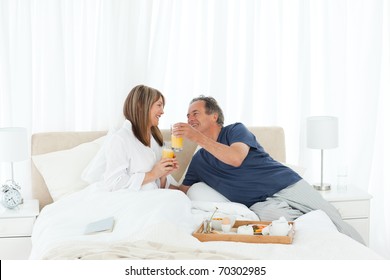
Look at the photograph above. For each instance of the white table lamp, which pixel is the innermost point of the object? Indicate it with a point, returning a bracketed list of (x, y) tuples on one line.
[(13, 146), (322, 133)]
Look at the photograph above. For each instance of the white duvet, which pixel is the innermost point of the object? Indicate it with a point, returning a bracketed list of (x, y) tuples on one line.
[(158, 224)]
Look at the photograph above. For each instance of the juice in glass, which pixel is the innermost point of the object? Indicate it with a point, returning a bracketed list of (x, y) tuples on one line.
[(177, 143), (167, 153)]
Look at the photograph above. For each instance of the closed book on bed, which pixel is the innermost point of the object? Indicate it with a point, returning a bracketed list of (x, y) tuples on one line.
[(104, 225)]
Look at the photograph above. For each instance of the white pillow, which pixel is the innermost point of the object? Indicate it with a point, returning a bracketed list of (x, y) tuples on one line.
[(202, 192), (94, 171), (62, 170)]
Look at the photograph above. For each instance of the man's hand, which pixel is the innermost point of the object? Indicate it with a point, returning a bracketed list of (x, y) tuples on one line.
[(187, 131), (233, 155)]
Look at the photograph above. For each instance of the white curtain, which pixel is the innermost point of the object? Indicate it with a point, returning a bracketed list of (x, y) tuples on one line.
[(68, 65)]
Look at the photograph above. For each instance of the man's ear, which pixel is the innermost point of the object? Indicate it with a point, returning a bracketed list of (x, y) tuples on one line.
[(215, 117)]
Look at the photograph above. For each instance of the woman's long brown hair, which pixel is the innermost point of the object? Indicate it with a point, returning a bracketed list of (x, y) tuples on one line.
[(137, 110)]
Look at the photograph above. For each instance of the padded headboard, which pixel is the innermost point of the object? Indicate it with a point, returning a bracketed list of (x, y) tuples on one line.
[(271, 138)]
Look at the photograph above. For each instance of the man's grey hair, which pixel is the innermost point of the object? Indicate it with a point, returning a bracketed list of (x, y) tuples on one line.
[(211, 106)]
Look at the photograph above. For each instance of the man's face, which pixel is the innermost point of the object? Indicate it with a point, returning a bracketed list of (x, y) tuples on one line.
[(197, 117)]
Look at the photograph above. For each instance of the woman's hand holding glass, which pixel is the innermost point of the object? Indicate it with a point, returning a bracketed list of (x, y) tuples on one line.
[(168, 160), (163, 168)]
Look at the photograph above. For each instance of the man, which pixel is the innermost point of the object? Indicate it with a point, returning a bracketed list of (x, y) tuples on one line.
[(235, 165)]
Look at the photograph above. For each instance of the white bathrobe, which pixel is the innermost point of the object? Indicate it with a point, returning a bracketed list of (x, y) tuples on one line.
[(127, 161)]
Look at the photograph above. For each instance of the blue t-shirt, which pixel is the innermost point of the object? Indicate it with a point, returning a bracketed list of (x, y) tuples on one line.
[(258, 177)]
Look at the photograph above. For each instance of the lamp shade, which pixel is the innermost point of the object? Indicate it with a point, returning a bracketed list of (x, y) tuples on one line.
[(322, 132), (13, 144)]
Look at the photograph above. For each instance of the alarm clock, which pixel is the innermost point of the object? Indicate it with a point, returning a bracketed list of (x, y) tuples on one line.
[(11, 196)]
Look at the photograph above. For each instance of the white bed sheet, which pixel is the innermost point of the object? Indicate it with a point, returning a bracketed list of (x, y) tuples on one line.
[(158, 224)]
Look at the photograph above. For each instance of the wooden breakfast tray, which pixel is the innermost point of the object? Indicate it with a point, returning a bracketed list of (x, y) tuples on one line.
[(204, 237)]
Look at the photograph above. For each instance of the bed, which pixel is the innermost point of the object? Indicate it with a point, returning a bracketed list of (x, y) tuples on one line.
[(154, 224)]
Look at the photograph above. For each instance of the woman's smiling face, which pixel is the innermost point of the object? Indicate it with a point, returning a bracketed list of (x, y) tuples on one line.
[(156, 111)]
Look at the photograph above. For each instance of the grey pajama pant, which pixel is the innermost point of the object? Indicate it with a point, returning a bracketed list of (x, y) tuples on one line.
[(298, 199)]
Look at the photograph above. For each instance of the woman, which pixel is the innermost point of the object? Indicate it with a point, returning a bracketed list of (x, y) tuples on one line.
[(133, 153)]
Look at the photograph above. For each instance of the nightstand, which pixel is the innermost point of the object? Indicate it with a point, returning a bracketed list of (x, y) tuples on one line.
[(354, 207), (15, 230)]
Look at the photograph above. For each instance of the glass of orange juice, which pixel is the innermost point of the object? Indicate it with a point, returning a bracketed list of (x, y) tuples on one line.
[(167, 151), (177, 142)]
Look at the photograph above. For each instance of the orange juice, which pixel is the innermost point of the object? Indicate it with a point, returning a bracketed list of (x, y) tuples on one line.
[(167, 153), (177, 143)]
